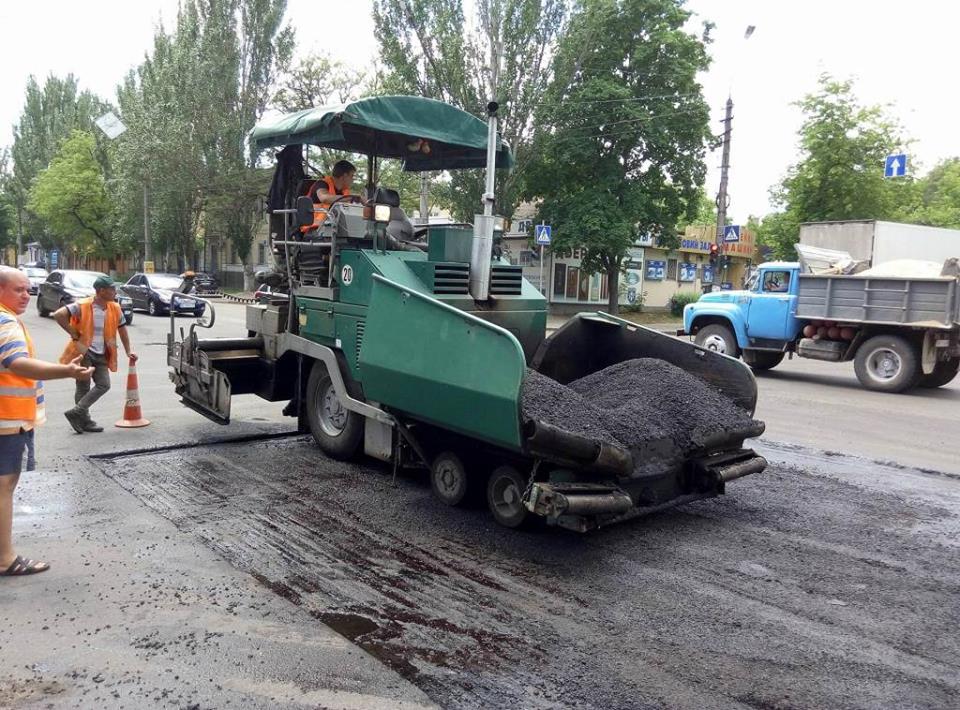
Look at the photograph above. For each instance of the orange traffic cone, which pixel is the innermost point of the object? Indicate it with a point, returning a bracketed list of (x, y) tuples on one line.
[(132, 416)]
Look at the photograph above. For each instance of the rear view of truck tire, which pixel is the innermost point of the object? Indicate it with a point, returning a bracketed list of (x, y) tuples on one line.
[(887, 363)]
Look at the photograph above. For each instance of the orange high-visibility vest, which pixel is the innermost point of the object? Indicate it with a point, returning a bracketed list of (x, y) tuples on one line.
[(84, 324), (21, 398), (320, 208)]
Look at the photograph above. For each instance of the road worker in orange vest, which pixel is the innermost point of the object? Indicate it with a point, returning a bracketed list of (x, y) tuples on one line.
[(93, 325), (328, 188), (21, 407)]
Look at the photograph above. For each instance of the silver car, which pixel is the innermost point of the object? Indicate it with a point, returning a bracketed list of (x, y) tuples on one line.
[(35, 275)]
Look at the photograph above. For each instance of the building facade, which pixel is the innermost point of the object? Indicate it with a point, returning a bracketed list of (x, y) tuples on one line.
[(653, 274)]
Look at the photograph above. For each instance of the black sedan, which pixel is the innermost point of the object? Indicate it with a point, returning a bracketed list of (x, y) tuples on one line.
[(158, 294), (65, 286)]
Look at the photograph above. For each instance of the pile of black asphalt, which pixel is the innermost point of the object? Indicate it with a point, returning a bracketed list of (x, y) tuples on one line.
[(635, 404)]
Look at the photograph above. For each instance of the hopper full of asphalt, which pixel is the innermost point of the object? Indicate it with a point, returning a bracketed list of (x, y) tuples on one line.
[(645, 405)]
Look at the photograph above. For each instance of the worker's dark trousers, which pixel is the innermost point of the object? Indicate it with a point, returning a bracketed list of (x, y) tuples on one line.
[(85, 396)]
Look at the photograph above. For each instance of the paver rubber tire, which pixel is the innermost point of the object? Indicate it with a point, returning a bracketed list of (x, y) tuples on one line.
[(43, 312), (718, 338), (887, 363), (762, 359), (338, 431), (449, 478), (943, 373), (505, 489)]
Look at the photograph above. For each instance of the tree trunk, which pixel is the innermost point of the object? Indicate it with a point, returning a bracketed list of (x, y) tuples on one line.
[(249, 283), (613, 280)]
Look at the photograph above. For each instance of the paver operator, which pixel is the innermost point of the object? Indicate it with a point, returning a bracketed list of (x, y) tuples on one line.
[(328, 188), (21, 407), (93, 325)]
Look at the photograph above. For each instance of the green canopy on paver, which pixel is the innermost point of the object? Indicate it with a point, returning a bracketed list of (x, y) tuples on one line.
[(389, 127)]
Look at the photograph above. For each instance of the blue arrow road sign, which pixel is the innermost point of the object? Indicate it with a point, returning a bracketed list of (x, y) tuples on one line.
[(543, 234), (895, 165), (731, 233)]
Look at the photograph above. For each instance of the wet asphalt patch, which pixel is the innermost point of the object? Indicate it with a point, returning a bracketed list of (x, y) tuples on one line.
[(794, 590)]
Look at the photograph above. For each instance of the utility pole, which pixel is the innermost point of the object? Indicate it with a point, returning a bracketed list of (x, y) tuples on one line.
[(722, 198), (146, 225)]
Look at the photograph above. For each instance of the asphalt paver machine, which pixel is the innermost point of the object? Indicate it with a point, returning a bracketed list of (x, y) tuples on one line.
[(410, 344)]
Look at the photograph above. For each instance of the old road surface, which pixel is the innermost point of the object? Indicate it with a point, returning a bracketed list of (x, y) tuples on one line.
[(824, 582)]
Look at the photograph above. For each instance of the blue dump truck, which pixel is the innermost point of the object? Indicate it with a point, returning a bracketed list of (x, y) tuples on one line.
[(900, 332)]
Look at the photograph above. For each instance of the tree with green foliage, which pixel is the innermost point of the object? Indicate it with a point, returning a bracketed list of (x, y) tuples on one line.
[(840, 173), (71, 197), (189, 107), (623, 131), (467, 54), (702, 210), (50, 114), (936, 197), (318, 80), (8, 214)]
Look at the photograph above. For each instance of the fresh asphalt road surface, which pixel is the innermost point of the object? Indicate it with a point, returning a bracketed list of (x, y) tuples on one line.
[(823, 582), (827, 581)]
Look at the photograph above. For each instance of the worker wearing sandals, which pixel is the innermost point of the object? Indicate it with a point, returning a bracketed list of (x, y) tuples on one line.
[(93, 325), (21, 407)]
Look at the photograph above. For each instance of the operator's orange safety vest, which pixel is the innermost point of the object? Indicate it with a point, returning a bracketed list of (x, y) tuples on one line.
[(320, 208), (84, 324), (21, 398)]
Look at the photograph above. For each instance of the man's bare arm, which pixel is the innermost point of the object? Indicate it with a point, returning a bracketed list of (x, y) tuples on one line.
[(62, 317), (125, 339), (43, 370)]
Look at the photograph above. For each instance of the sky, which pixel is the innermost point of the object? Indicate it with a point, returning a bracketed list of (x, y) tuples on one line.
[(894, 52)]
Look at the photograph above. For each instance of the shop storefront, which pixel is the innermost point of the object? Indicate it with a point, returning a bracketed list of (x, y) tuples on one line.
[(571, 284)]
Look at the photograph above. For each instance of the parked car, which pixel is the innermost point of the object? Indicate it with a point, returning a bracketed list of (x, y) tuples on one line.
[(64, 286), (36, 276), (265, 294), (157, 295), (203, 282)]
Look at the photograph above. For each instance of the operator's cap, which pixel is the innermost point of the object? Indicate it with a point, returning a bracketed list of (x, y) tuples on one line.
[(105, 282)]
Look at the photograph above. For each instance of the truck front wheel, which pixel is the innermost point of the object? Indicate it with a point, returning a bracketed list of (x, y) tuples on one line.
[(338, 431), (887, 363), (762, 359), (719, 339), (943, 373)]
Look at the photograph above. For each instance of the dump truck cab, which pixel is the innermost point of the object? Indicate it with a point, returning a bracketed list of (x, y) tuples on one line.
[(411, 343)]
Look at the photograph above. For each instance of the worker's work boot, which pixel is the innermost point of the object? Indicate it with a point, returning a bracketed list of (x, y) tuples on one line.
[(77, 418), (92, 427)]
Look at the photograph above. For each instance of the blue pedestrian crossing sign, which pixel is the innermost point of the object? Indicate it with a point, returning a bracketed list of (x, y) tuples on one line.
[(895, 165), (731, 233), (543, 233)]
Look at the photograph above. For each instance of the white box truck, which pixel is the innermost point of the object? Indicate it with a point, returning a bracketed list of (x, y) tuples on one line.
[(879, 242)]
